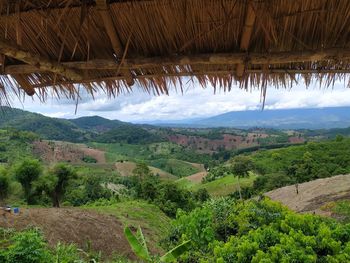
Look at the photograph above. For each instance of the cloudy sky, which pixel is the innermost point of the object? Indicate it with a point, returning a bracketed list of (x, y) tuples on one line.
[(195, 102)]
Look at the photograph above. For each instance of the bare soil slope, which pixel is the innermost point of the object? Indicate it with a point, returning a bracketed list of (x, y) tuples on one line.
[(125, 169), (314, 194), (197, 177), (56, 151), (78, 226)]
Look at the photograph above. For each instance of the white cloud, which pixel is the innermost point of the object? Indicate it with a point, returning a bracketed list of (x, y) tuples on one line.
[(194, 103)]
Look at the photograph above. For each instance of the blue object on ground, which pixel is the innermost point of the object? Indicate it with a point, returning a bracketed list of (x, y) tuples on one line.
[(16, 210)]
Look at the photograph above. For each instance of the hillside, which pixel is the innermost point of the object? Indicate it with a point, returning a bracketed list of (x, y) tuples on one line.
[(46, 127), (76, 130), (313, 195), (102, 226), (97, 123)]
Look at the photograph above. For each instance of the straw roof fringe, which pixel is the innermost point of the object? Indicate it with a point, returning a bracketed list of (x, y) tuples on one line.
[(153, 44)]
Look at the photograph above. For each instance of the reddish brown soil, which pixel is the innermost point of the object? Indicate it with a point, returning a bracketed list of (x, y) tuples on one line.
[(296, 139), (57, 151), (196, 178), (77, 226)]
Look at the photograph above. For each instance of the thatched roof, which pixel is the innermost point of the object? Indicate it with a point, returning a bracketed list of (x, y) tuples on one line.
[(153, 44)]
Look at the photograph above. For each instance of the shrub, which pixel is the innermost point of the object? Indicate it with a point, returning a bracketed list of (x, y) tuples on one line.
[(28, 247)]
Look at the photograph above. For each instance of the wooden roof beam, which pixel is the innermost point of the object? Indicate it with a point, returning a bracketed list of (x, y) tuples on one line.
[(272, 58), (246, 35), (103, 9), (40, 63), (222, 73)]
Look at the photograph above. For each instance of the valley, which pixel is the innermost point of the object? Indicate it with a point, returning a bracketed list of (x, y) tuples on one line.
[(120, 174)]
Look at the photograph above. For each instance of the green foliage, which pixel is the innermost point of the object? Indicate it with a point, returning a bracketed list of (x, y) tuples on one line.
[(4, 183), (201, 195), (131, 134), (89, 159), (141, 170), (55, 183), (260, 231), (63, 253), (94, 190), (176, 167), (241, 165), (216, 173), (15, 145), (138, 245), (297, 164), (341, 210), (28, 247), (170, 198), (26, 172)]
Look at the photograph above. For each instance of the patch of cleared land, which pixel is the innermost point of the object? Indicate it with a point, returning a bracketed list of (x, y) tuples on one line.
[(102, 226), (197, 177), (58, 151), (313, 195), (72, 225), (126, 168)]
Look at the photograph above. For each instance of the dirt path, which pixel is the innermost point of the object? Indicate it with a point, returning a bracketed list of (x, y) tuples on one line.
[(73, 225), (313, 195)]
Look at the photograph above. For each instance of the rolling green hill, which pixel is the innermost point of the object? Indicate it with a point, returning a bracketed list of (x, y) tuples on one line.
[(46, 127), (76, 130), (97, 123)]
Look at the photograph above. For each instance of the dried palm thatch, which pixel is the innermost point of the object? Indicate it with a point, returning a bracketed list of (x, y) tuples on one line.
[(154, 44)]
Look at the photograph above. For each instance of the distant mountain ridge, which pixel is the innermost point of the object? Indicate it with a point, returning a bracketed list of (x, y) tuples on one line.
[(75, 130), (317, 118)]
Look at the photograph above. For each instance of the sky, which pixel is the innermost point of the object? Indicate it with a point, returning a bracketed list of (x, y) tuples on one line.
[(195, 102)]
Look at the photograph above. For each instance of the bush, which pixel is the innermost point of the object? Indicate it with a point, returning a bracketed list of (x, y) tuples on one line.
[(28, 247), (259, 231), (89, 159)]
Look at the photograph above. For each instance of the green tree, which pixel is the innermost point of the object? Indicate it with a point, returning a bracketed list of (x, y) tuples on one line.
[(4, 184), (26, 172), (240, 167), (56, 181), (141, 171), (94, 190)]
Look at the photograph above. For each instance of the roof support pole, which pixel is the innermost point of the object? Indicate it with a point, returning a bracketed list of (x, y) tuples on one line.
[(246, 35), (104, 12)]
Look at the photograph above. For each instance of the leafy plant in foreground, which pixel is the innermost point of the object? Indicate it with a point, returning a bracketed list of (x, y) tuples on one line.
[(138, 245)]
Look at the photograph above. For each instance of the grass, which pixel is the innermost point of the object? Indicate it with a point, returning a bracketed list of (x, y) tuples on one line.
[(159, 155), (154, 223), (175, 167), (341, 209), (220, 187)]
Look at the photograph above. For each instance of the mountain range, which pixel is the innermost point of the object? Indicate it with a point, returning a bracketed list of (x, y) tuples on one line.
[(104, 130), (318, 118)]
